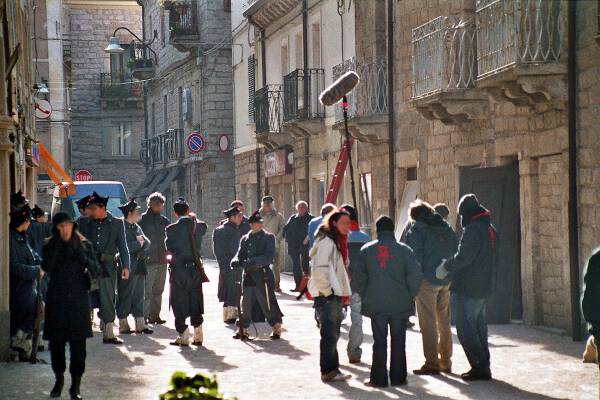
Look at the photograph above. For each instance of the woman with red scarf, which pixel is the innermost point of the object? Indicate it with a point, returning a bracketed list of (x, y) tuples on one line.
[(329, 285)]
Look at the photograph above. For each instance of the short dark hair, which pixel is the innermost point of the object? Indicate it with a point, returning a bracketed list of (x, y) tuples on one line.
[(419, 207), (327, 208), (156, 197), (350, 210), (442, 209)]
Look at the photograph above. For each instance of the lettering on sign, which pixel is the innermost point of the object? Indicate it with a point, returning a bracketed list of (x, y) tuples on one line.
[(276, 163)]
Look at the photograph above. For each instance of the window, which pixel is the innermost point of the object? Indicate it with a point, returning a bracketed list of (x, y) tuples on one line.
[(181, 110), (121, 139), (316, 45), (285, 63), (251, 86), (153, 121), (366, 190), (298, 51), (165, 113)]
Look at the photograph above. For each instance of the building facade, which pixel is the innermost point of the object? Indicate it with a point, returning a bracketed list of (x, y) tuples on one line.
[(188, 147), (18, 165), (480, 100)]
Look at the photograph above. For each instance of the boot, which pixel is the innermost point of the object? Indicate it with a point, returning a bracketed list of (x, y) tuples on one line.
[(108, 334), (141, 327), (124, 328), (229, 315), (198, 336), (58, 386), (74, 390), (276, 331), (183, 340), (242, 334)]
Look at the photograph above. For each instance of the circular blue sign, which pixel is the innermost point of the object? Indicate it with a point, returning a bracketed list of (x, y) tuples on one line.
[(195, 142)]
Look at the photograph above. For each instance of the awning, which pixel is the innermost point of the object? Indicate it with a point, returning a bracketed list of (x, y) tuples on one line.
[(157, 181)]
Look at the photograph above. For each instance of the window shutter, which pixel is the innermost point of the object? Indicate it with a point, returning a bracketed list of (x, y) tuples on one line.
[(251, 86)]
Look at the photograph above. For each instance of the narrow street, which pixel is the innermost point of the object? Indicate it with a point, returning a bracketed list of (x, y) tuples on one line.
[(527, 363)]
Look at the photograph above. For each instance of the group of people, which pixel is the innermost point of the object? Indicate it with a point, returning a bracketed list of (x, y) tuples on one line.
[(119, 266)]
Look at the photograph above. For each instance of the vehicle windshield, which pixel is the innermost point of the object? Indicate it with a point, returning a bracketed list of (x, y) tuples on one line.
[(113, 203)]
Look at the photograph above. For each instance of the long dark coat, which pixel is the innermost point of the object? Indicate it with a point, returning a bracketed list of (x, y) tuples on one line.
[(226, 240), (67, 305)]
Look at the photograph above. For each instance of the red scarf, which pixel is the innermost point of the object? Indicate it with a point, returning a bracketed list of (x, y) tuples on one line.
[(354, 226)]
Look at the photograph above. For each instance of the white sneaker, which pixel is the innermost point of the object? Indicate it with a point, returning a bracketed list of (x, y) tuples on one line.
[(183, 339), (198, 336)]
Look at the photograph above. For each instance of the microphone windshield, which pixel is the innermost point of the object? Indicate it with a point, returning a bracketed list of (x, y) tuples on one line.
[(342, 86)]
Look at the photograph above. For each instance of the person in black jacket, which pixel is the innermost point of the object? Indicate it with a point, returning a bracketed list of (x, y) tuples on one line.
[(187, 299), (590, 304), (153, 223), (131, 291), (24, 268), (295, 233), (70, 259), (39, 230), (432, 240), (388, 278), (471, 270)]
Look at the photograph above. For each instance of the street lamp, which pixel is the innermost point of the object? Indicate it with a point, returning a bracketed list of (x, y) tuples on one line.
[(114, 47), (142, 68)]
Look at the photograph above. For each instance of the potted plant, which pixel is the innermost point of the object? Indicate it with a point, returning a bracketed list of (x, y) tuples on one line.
[(197, 387)]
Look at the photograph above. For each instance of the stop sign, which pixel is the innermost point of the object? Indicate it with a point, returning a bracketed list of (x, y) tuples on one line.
[(83, 175)]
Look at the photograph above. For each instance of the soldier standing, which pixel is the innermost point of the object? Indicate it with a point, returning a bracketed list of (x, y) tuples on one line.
[(107, 235), (274, 223), (186, 282), (226, 240), (255, 255), (131, 291), (153, 224), (295, 232)]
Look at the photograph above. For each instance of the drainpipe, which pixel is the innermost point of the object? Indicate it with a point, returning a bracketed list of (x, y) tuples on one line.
[(144, 85), (391, 115), (263, 71), (307, 97), (573, 195)]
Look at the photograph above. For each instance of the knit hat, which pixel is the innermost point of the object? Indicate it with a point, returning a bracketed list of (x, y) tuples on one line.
[(128, 207), (255, 217), (467, 204), (181, 206), (384, 224), (61, 217)]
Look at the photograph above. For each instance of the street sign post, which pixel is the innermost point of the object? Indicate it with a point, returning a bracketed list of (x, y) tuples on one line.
[(43, 109), (83, 175)]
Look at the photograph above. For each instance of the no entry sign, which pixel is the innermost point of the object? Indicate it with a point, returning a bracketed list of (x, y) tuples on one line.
[(195, 142), (83, 175)]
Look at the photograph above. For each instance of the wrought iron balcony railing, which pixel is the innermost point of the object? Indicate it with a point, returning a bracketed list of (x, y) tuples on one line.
[(369, 97), (515, 32), (296, 103), (142, 61), (268, 109), (119, 85), (163, 148), (183, 18), (443, 56)]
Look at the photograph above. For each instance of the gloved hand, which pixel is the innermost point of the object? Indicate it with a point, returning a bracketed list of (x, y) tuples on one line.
[(441, 272)]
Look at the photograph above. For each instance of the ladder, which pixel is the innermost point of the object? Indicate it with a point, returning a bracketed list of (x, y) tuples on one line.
[(340, 170)]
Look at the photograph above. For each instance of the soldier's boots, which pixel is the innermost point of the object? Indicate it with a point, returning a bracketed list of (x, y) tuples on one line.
[(108, 334), (74, 391), (124, 328), (182, 340), (277, 329), (198, 336), (58, 386), (141, 327), (242, 334), (230, 314)]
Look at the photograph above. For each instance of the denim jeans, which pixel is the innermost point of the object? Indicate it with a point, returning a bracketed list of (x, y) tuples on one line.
[(355, 336), (471, 328), (397, 327), (330, 316)]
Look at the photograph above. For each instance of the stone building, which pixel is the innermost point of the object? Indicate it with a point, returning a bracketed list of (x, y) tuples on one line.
[(107, 106), (188, 146), (18, 164)]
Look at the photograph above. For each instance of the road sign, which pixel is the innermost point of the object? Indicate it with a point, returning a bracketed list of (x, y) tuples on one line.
[(195, 142), (43, 109), (223, 143), (83, 175)]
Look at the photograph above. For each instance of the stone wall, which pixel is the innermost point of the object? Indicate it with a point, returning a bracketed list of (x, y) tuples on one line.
[(91, 121)]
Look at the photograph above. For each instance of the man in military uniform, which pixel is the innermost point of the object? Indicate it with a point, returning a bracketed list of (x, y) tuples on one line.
[(82, 204), (107, 234), (131, 291), (226, 240), (254, 256), (186, 283)]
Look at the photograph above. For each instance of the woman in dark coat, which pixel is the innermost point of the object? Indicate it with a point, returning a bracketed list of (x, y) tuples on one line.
[(69, 259)]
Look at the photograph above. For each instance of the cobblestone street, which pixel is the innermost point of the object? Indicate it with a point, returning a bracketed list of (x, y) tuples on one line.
[(526, 363)]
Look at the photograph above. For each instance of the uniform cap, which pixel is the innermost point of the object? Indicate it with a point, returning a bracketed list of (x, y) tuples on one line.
[(181, 206), (231, 212), (268, 199), (20, 215), (128, 207), (96, 199), (17, 200), (37, 212), (255, 217), (83, 202)]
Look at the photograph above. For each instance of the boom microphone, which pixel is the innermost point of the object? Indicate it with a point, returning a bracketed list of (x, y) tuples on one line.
[(338, 89)]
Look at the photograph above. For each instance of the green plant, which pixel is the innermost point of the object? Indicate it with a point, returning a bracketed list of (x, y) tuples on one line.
[(130, 63), (196, 387)]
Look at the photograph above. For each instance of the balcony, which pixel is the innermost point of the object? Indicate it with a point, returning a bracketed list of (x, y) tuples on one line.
[(119, 90), (184, 31), (303, 113), (268, 116), (165, 149), (519, 51), (444, 71), (141, 64), (367, 103)]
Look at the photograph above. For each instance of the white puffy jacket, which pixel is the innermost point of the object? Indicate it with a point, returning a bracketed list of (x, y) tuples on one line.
[(327, 269)]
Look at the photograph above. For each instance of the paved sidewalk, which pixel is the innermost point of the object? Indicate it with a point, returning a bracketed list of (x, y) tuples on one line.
[(526, 363)]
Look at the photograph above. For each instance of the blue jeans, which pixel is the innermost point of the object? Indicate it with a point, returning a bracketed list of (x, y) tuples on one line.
[(355, 336), (397, 329), (330, 317), (471, 328)]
